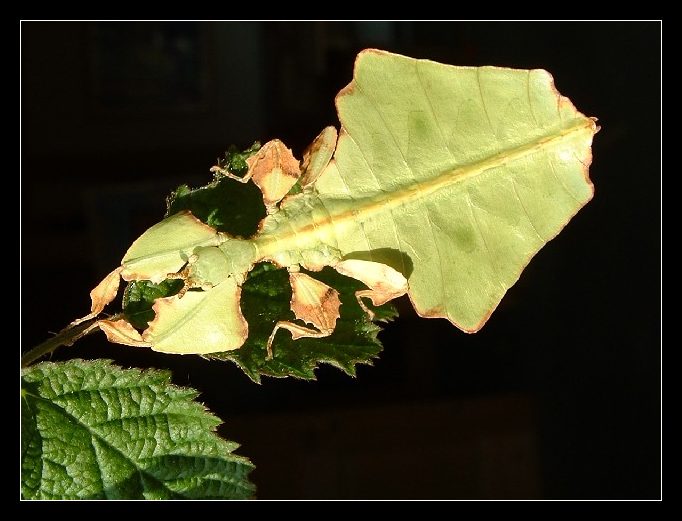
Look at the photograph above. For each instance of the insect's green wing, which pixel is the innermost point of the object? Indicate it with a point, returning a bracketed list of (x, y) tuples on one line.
[(166, 247), (468, 172)]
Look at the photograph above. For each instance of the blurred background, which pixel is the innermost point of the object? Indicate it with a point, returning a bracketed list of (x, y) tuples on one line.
[(557, 397)]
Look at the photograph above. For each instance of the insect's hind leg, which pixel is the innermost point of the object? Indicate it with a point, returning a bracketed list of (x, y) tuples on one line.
[(297, 332)]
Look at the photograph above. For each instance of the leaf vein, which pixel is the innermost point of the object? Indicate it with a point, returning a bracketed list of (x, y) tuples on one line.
[(523, 207)]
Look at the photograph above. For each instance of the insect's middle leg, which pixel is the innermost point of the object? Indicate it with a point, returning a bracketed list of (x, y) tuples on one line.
[(313, 302)]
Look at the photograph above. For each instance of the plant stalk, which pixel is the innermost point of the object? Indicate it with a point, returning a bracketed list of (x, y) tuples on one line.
[(66, 337)]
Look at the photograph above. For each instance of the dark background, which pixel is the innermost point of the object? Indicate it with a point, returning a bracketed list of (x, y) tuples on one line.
[(557, 397)]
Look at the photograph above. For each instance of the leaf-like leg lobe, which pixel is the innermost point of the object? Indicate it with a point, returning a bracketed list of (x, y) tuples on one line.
[(313, 302), (384, 282), (274, 169), (121, 332), (105, 291)]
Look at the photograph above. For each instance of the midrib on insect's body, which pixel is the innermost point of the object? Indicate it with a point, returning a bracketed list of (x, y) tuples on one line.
[(308, 220)]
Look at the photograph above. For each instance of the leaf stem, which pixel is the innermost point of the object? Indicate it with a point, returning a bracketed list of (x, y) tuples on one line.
[(66, 337)]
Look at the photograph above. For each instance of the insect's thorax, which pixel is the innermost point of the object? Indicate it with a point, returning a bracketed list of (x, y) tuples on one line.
[(306, 230)]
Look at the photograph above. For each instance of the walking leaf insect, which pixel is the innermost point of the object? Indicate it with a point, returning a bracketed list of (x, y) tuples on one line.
[(467, 172)]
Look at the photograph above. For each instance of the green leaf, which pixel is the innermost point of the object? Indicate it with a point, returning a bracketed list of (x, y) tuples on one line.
[(266, 297), (225, 205), (139, 297), (265, 300), (91, 430), (235, 161)]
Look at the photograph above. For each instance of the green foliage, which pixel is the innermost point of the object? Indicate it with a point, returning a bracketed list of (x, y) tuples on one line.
[(265, 300), (224, 204), (91, 430), (235, 160), (139, 297), (237, 208)]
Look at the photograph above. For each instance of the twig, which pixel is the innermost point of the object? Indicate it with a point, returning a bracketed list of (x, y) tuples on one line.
[(66, 337)]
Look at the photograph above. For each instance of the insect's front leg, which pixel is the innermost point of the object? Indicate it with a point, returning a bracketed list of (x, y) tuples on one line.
[(182, 275), (223, 171), (274, 169)]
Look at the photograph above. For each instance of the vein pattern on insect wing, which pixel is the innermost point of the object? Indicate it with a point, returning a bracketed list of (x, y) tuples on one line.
[(344, 212)]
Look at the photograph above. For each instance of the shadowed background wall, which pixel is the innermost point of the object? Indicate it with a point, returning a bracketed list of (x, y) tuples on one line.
[(557, 397)]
